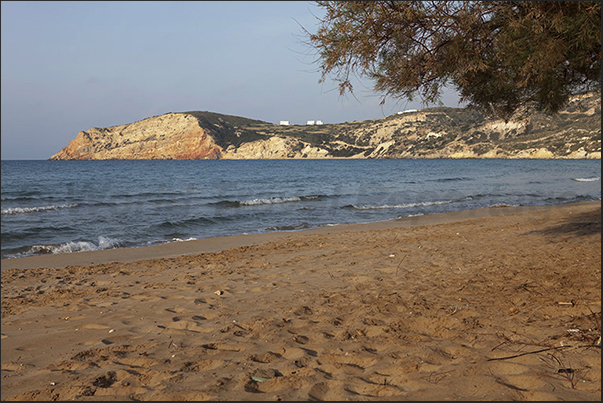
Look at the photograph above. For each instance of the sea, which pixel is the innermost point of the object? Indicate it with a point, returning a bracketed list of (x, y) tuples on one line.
[(51, 207)]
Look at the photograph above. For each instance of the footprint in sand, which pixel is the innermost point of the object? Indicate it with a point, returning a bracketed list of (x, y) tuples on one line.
[(10, 366), (321, 391), (180, 325), (301, 339), (264, 380), (375, 390), (265, 358)]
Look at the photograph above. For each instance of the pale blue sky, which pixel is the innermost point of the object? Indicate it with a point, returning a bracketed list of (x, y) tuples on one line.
[(70, 66)]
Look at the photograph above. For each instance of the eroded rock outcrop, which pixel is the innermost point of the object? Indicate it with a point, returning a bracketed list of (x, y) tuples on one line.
[(170, 136)]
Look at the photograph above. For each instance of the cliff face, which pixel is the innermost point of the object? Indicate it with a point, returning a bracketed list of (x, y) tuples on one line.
[(429, 133), (170, 136)]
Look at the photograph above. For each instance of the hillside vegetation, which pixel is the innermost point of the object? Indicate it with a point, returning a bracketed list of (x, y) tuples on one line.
[(442, 132)]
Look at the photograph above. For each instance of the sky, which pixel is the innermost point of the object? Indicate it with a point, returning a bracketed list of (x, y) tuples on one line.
[(69, 66)]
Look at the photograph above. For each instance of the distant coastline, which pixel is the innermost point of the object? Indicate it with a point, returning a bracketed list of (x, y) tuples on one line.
[(573, 133)]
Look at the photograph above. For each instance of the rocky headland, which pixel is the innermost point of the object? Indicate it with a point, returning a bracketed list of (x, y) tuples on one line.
[(439, 132)]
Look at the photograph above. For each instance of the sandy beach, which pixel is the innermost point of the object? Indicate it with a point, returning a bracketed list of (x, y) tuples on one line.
[(491, 304)]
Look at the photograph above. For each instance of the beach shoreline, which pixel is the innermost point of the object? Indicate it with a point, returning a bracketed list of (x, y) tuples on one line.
[(487, 304), (215, 244)]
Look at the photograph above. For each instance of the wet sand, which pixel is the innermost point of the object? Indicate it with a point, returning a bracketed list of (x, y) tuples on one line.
[(490, 304)]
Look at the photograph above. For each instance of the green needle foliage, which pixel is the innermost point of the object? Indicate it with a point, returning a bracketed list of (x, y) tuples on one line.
[(501, 56)]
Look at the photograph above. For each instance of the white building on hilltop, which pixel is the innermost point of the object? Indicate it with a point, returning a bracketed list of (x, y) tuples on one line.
[(284, 123), (310, 122)]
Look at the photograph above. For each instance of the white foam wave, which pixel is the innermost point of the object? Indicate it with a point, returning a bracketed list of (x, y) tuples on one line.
[(74, 246), (415, 215), (403, 205), (587, 179), (273, 200), (183, 240), (26, 210)]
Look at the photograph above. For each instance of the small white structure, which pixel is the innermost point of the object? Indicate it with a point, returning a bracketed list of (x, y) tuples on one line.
[(319, 122), (284, 123), (310, 122), (408, 111)]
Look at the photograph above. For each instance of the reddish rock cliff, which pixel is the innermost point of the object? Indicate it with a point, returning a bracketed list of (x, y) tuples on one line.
[(170, 136)]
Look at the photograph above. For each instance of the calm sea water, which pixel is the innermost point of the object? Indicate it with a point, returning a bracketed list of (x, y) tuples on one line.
[(72, 206)]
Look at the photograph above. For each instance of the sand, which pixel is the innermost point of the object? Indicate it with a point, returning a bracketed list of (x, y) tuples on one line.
[(491, 304)]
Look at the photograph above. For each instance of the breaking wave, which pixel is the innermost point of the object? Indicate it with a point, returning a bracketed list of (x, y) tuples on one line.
[(301, 226), (588, 179), (72, 247), (397, 206), (26, 210), (263, 201)]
